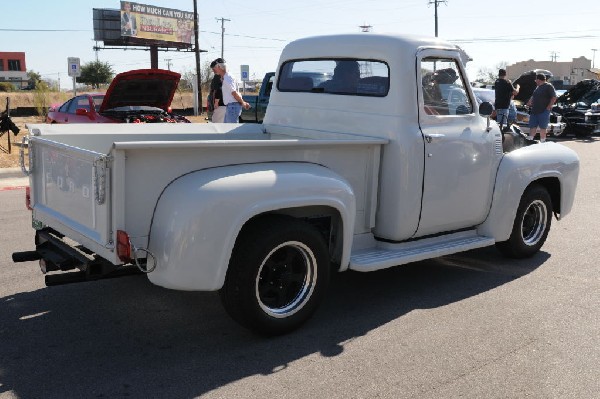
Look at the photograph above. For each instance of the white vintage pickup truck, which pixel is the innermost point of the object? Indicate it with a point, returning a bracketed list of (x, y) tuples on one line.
[(373, 168)]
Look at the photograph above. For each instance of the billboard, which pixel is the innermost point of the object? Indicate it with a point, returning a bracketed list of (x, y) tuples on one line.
[(146, 22)]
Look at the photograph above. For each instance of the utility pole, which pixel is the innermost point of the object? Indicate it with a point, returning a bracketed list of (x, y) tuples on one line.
[(435, 3), (365, 28), (222, 34), (197, 51), (594, 56), (96, 49), (553, 56), (168, 61)]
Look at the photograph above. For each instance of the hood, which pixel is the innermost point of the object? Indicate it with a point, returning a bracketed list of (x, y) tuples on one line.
[(527, 83), (141, 87), (587, 91)]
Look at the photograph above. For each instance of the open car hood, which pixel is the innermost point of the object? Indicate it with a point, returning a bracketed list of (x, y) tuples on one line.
[(141, 87), (587, 91), (527, 83)]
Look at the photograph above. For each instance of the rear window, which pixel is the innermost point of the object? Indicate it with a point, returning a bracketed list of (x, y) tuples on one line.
[(336, 76)]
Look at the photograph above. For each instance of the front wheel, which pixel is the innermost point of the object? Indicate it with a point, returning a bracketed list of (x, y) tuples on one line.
[(531, 225), (277, 275)]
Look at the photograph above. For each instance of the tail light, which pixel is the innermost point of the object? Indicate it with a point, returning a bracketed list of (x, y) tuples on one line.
[(28, 198), (123, 246)]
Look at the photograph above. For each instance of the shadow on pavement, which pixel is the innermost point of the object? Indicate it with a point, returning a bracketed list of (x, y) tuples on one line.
[(126, 337)]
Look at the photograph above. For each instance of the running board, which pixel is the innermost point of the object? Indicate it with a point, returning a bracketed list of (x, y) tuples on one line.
[(386, 255)]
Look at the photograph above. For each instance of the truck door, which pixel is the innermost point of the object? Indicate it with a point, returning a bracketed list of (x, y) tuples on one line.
[(461, 156)]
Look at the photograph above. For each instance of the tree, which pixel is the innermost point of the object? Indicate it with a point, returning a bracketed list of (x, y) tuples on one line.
[(95, 73), (188, 78), (33, 77), (488, 75)]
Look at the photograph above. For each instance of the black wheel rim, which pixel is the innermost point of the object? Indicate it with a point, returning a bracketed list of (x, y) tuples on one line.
[(286, 279)]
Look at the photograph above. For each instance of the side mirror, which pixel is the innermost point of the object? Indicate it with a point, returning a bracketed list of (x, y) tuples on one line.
[(486, 109), (81, 112)]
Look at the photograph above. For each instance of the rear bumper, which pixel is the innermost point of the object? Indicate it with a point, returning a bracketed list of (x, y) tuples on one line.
[(56, 255)]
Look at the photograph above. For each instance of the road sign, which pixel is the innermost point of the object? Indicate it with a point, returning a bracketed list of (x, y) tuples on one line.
[(245, 69), (74, 67)]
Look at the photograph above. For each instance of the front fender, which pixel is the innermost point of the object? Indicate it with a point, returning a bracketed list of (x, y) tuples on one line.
[(517, 170), (199, 216)]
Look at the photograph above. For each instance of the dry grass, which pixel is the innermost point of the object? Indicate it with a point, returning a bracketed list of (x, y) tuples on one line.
[(26, 99)]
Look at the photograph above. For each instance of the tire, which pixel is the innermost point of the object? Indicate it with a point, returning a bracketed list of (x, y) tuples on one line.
[(278, 274), (531, 226)]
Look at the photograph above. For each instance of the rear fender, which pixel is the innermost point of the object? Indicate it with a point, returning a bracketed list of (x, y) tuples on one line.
[(552, 165), (199, 216)]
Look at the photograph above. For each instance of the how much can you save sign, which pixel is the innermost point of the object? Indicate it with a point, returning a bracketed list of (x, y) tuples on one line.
[(144, 21)]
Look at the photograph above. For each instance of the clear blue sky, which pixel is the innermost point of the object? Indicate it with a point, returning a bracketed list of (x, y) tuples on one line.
[(490, 31)]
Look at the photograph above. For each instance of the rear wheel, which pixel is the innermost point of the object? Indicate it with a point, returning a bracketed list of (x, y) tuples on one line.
[(277, 275), (531, 225)]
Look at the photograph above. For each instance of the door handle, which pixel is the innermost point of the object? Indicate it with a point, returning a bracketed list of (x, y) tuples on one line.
[(434, 137)]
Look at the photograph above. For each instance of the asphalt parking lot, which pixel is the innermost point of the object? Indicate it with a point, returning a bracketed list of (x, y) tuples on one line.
[(473, 325)]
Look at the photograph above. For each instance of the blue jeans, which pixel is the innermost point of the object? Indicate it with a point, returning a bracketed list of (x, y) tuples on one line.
[(502, 116), (232, 114), (512, 112)]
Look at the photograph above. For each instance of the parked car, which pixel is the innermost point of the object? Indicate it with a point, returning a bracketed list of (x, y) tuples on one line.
[(258, 103), (576, 107), (138, 96)]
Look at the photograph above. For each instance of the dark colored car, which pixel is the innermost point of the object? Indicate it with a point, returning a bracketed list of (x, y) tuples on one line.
[(575, 105), (138, 96)]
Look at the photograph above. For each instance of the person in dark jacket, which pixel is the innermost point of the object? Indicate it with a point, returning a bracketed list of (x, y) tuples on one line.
[(216, 95)]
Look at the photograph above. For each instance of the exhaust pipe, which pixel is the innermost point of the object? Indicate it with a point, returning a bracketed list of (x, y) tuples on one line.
[(26, 256)]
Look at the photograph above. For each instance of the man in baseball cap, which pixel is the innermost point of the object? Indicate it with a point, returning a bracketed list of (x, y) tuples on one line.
[(231, 97)]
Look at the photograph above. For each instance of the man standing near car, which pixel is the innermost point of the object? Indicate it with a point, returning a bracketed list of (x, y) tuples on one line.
[(231, 97), (216, 96), (541, 103), (505, 91)]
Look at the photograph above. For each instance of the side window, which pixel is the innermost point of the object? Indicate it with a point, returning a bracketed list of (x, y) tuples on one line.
[(73, 106), (444, 91), (65, 106), (269, 86), (79, 102)]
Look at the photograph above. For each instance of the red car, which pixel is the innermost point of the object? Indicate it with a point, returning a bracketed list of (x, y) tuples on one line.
[(139, 96)]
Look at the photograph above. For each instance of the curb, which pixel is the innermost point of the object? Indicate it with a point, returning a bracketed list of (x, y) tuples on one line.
[(9, 173)]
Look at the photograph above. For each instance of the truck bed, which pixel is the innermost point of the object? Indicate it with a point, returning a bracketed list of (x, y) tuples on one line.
[(89, 184)]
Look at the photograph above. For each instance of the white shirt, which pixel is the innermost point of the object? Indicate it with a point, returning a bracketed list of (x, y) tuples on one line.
[(229, 86)]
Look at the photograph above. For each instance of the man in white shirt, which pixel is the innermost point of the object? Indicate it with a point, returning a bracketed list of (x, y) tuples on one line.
[(231, 97)]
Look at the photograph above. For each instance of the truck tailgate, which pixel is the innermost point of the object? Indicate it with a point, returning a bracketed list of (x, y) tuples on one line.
[(70, 186)]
